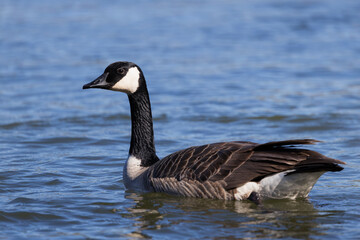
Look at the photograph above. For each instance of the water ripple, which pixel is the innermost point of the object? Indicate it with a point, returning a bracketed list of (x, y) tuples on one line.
[(20, 216), (231, 70)]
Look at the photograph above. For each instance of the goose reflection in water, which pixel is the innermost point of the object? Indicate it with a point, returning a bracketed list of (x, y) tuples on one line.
[(154, 212)]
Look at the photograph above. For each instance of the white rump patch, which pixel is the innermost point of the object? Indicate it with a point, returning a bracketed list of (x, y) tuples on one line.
[(291, 186), (280, 185), (132, 173), (129, 83)]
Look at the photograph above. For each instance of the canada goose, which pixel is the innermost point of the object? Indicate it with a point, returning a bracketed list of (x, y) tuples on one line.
[(227, 170)]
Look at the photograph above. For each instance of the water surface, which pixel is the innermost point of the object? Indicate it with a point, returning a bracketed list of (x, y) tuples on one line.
[(216, 71)]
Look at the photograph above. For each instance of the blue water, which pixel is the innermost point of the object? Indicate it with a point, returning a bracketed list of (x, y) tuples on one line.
[(216, 71)]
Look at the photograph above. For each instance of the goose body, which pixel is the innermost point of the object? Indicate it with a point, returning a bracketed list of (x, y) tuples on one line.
[(227, 170)]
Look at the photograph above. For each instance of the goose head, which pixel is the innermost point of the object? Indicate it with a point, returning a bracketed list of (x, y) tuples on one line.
[(125, 77)]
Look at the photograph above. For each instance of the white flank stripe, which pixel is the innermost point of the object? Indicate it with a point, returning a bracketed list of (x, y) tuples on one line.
[(245, 190)]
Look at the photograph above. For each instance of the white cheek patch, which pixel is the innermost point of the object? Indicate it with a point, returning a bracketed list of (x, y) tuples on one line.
[(129, 83)]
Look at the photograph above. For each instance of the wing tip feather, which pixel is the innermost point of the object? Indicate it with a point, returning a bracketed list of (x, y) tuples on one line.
[(287, 143)]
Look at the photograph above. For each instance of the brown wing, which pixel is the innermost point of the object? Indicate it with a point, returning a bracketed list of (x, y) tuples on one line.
[(202, 162), (237, 163)]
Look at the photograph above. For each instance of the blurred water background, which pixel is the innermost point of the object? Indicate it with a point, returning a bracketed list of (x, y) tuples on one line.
[(216, 71)]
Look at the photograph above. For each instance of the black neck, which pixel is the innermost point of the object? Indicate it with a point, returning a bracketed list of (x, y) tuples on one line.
[(142, 134)]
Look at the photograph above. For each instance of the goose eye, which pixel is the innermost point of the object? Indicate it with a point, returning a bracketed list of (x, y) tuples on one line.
[(120, 71)]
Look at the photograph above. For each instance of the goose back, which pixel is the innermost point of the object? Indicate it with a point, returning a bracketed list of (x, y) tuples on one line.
[(217, 170)]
